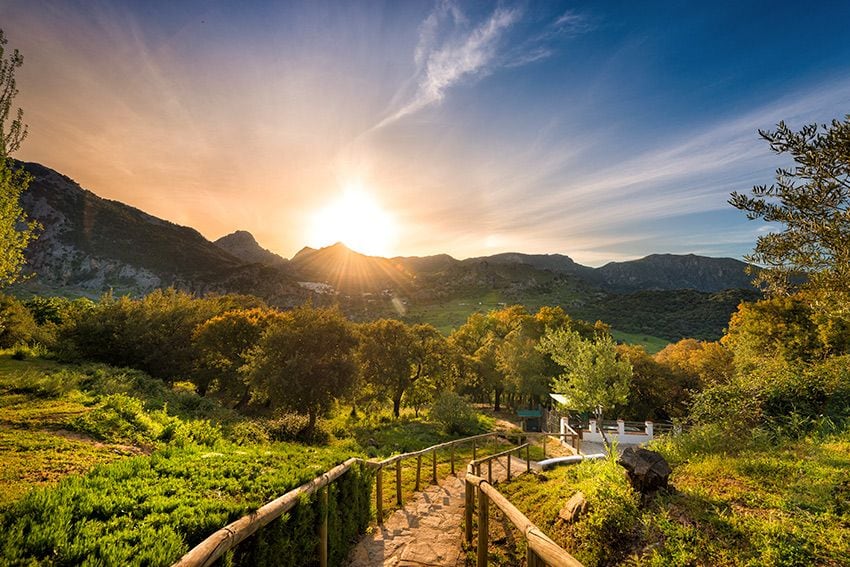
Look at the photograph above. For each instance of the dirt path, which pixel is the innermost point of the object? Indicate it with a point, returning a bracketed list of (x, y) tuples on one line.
[(428, 530)]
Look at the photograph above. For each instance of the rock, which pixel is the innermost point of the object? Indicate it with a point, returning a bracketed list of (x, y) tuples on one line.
[(575, 507), (647, 470)]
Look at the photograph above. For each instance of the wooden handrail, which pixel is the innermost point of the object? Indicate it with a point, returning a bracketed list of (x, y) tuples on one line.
[(394, 458), (228, 537), (497, 455), (538, 542)]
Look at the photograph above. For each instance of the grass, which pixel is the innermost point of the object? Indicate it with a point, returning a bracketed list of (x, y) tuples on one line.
[(648, 342), (763, 505), (449, 314), (110, 466)]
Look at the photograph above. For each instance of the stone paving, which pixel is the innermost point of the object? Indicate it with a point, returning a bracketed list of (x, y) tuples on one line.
[(428, 530)]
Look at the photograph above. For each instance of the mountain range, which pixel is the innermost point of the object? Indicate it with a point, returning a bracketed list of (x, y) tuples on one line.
[(90, 245)]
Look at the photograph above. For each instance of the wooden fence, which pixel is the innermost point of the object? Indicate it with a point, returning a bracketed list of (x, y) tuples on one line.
[(540, 550), (228, 537)]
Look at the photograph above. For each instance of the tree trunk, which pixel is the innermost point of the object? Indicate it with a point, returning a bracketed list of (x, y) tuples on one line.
[(602, 432), (311, 425), (243, 401), (497, 405), (397, 406)]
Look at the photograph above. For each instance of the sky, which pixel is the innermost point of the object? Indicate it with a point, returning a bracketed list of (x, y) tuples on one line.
[(601, 130)]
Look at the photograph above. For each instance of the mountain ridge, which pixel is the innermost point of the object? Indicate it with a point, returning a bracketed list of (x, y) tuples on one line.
[(92, 245)]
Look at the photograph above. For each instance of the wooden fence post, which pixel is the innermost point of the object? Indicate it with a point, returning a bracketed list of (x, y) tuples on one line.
[(398, 482), (379, 494), (483, 527), (418, 470), (490, 471), (453, 459), (544, 447), (434, 467), (531, 558), (509, 467), (323, 527), (527, 459), (474, 447), (469, 504)]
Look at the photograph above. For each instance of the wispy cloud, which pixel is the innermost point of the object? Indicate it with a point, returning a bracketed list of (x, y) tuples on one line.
[(572, 22), (450, 51)]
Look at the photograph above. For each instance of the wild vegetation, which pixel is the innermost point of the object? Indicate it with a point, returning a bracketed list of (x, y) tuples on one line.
[(760, 476), (132, 428)]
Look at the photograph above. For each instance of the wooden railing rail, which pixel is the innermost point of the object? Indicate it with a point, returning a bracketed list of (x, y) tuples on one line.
[(228, 537), (476, 465), (575, 438), (541, 550)]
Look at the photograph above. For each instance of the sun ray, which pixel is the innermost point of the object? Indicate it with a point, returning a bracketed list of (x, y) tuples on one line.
[(357, 220)]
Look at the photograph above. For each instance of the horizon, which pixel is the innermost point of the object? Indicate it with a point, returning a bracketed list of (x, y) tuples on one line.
[(601, 133), (462, 259)]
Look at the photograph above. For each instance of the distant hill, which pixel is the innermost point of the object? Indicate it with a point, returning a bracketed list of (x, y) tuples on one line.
[(553, 262), (242, 245), (671, 271), (351, 272)]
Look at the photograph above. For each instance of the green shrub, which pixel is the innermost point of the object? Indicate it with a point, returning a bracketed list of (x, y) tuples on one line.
[(151, 510), (17, 325), (612, 515), (40, 384), (454, 414), (120, 418), (295, 427), (248, 433)]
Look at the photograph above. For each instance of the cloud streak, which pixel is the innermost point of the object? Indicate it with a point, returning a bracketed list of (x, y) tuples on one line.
[(449, 52)]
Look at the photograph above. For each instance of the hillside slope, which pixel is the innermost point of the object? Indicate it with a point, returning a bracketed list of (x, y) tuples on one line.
[(90, 245)]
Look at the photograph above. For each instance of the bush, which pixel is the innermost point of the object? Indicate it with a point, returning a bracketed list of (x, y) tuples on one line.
[(153, 334), (612, 513), (248, 433), (123, 419), (17, 325), (295, 427), (151, 510), (454, 414)]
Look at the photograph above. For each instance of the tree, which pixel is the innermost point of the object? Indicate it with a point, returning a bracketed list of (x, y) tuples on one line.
[(16, 230), (594, 377), (812, 203), (304, 361), (393, 357), (223, 344)]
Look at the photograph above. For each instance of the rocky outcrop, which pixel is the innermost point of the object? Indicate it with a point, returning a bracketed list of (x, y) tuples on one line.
[(244, 246)]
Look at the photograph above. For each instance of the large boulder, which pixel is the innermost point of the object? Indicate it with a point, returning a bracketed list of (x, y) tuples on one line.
[(647, 470)]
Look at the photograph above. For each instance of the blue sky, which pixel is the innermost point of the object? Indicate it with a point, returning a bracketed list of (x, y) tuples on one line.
[(601, 130)]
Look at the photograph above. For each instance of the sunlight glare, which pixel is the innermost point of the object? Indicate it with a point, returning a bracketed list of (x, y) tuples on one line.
[(357, 220)]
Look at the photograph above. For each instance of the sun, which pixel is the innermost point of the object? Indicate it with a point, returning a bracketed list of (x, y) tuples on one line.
[(356, 219)]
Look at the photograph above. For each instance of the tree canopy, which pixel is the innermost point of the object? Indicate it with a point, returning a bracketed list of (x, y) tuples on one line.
[(811, 202), (595, 378), (16, 230), (304, 361)]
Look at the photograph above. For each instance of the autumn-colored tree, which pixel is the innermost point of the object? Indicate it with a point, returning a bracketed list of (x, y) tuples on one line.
[(699, 363)]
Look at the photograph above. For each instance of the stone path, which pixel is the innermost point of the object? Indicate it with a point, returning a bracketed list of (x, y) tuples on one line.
[(428, 530)]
